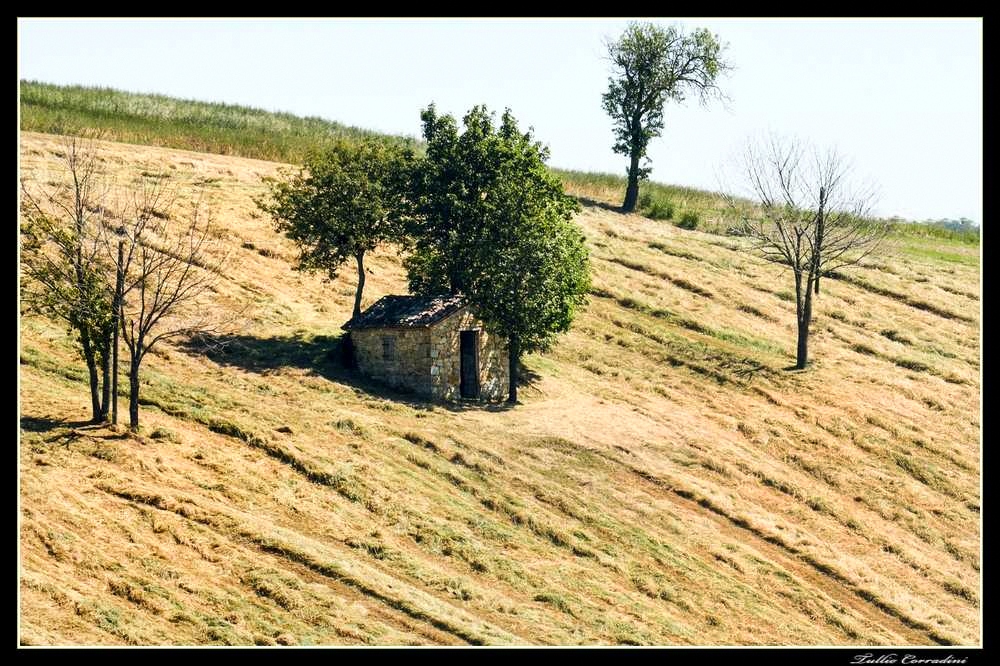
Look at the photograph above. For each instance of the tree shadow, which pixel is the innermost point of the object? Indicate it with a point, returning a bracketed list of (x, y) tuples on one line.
[(747, 369), (322, 355), (46, 424), (61, 431), (526, 376), (587, 201)]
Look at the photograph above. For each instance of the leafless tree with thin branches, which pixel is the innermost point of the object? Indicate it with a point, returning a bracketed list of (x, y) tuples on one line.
[(801, 210), (166, 265), (108, 259)]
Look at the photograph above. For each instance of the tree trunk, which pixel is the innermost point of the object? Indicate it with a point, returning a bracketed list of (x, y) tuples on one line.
[(117, 308), (86, 343), (802, 349), (133, 394), (632, 191), (361, 284), (105, 380), (804, 319), (114, 378), (95, 382), (820, 224), (514, 352)]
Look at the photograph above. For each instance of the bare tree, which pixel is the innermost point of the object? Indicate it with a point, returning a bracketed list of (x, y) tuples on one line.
[(104, 260), (802, 211), (63, 263), (166, 266)]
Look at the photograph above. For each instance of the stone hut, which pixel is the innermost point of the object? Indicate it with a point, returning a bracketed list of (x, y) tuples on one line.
[(433, 346)]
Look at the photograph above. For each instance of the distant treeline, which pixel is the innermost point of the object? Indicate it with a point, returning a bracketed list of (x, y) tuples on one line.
[(963, 229)]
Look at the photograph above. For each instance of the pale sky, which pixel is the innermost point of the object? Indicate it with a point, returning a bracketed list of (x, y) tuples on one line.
[(901, 98)]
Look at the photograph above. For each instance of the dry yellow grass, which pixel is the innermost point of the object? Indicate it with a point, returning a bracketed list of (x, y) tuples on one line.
[(666, 481)]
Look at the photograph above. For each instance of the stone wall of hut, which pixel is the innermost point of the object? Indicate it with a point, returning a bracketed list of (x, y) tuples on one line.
[(428, 362)]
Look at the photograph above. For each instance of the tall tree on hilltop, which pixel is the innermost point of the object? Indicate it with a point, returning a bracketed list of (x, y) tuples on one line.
[(652, 65)]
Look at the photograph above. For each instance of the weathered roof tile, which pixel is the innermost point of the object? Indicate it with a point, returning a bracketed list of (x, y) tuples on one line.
[(407, 312)]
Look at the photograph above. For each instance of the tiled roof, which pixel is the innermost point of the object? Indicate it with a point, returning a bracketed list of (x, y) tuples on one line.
[(407, 312)]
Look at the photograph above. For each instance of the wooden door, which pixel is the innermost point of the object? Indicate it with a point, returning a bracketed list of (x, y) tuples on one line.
[(469, 386)]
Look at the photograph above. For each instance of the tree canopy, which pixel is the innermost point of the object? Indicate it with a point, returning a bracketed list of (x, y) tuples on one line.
[(493, 223), (343, 203), (653, 65)]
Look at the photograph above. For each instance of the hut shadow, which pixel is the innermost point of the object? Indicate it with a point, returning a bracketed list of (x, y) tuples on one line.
[(324, 356)]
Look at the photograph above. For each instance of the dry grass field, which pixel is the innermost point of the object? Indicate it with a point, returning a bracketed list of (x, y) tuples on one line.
[(666, 480)]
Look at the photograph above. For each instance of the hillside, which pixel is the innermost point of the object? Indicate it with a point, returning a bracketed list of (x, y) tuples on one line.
[(158, 120), (230, 129), (665, 481)]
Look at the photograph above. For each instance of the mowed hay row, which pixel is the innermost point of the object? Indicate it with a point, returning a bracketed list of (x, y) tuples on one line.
[(666, 480)]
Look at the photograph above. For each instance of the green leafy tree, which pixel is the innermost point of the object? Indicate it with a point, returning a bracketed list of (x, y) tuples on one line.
[(653, 65), (63, 263), (342, 204), (449, 187), (494, 224)]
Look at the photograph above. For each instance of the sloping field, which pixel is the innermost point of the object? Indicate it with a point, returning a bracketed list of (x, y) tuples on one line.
[(665, 481)]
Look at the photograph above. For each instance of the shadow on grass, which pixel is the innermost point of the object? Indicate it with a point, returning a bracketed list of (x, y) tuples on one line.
[(64, 432), (46, 424), (587, 201), (750, 371), (526, 377), (322, 355)]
